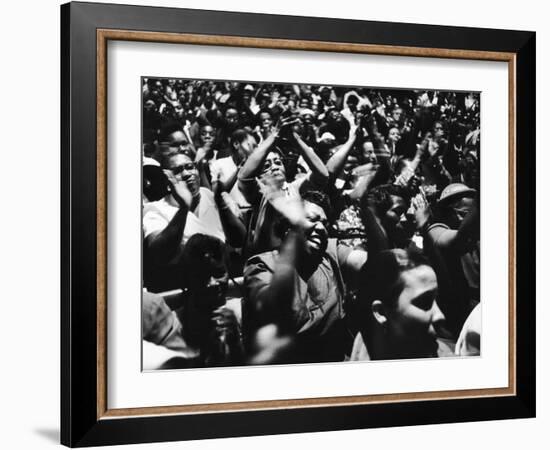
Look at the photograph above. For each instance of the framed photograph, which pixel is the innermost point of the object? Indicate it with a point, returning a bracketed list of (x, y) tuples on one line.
[(279, 224)]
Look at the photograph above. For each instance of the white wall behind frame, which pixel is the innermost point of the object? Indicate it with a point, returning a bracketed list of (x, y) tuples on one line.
[(30, 386)]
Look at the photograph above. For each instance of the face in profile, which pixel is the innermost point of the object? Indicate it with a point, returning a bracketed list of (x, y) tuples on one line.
[(411, 323), (395, 221), (178, 110), (210, 288), (177, 139), (459, 211), (439, 132), (247, 146), (185, 169), (317, 235)]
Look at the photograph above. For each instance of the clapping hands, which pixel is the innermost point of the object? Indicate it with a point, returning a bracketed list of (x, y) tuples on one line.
[(289, 206), (179, 189)]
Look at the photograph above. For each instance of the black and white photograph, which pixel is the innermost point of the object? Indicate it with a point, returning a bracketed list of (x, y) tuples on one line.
[(295, 223)]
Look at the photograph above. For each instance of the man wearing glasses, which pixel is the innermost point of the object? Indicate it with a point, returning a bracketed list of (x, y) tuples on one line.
[(188, 209), (451, 241)]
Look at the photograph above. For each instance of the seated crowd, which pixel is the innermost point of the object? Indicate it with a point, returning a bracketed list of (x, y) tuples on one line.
[(288, 223)]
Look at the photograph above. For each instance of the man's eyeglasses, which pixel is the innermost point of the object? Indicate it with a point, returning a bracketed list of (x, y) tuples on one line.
[(188, 167), (179, 144)]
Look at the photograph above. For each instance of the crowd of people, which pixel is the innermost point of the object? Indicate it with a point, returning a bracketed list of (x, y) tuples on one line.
[(287, 223)]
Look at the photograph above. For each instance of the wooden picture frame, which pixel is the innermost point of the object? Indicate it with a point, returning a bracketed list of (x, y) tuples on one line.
[(85, 417)]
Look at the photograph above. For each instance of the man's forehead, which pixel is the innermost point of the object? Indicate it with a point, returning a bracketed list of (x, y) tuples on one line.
[(397, 200), (178, 159), (464, 201), (418, 280), (178, 136)]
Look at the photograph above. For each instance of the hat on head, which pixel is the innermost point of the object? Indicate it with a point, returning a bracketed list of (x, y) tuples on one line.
[(455, 191), (306, 111), (326, 136)]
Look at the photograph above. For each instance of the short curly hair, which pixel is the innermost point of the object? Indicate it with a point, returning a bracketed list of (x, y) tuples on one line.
[(202, 255), (380, 197), (320, 199), (381, 275), (281, 224)]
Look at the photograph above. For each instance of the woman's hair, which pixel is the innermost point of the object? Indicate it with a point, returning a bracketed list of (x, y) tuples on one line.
[(382, 279), (169, 127), (381, 276), (202, 256), (380, 197), (281, 224), (320, 199), (239, 136)]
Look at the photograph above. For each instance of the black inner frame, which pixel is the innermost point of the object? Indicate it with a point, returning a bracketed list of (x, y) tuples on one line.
[(79, 424)]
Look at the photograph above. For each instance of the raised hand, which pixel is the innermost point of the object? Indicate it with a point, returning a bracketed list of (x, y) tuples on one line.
[(275, 97), (296, 136), (353, 127), (226, 324), (285, 122), (421, 210), (433, 147), (289, 206), (179, 190), (365, 170), (423, 147), (215, 183)]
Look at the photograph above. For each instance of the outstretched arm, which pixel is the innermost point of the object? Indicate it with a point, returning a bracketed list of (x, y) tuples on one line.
[(377, 239), (233, 227), (319, 172), (337, 161), (443, 237), (253, 165), (270, 287), (458, 239), (366, 174), (290, 259)]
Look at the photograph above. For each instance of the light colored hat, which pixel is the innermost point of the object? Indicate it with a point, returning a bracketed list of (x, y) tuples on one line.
[(326, 136), (307, 111), (454, 191)]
